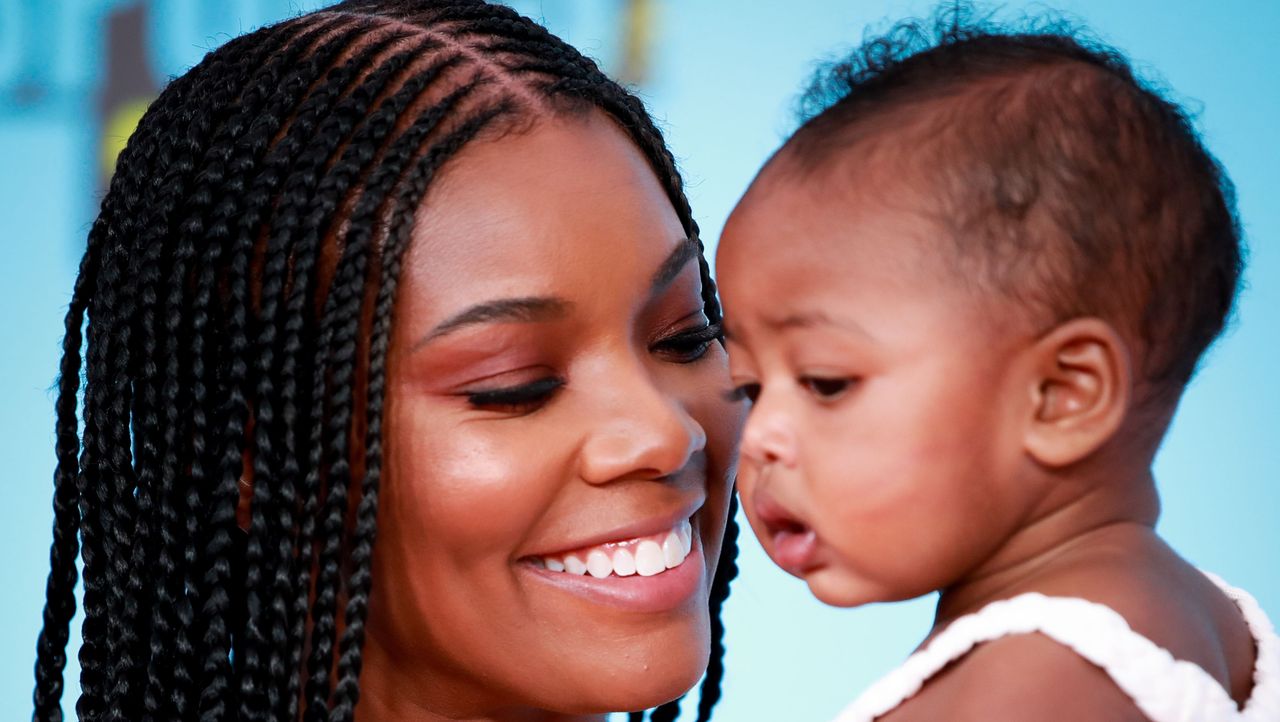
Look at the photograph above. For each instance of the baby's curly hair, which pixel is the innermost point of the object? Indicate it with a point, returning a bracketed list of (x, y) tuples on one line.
[(1069, 185)]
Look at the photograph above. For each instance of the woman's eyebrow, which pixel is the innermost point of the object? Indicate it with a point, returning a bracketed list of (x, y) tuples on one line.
[(686, 249), (524, 310)]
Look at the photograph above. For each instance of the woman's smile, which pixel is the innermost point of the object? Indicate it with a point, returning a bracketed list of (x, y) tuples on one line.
[(648, 565)]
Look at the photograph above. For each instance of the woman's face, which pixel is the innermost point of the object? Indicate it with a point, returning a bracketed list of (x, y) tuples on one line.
[(552, 393)]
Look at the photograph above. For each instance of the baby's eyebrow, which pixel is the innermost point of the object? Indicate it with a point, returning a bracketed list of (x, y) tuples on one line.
[(810, 319)]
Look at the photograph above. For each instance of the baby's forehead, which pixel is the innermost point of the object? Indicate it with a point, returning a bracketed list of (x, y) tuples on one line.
[(846, 239), (805, 238), (844, 211)]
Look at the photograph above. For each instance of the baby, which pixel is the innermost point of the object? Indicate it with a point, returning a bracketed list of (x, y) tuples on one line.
[(964, 299)]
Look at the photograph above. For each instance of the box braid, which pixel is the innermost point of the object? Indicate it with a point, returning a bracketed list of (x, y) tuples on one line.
[(235, 126), (116, 212), (234, 306), (301, 183)]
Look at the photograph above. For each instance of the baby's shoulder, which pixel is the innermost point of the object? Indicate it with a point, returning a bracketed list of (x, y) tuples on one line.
[(1174, 605), (1018, 677)]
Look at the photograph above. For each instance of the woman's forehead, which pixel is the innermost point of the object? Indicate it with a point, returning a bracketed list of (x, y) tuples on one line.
[(569, 207), (532, 176)]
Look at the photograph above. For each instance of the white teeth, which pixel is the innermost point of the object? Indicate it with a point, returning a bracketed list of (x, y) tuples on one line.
[(624, 565), (672, 550), (685, 531), (649, 559), (599, 565)]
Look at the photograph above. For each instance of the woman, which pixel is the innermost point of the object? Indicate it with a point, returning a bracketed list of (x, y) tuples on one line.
[(412, 268)]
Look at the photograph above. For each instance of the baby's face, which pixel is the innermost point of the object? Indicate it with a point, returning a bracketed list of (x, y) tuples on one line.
[(883, 444)]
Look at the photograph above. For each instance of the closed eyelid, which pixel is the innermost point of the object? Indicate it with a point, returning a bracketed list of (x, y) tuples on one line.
[(525, 397), (828, 389)]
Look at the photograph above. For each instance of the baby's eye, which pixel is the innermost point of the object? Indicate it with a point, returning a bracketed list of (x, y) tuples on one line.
[(826, 389), (745, 392), (520, 399)]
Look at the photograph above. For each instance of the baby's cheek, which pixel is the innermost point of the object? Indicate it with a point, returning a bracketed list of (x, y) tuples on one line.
[(861, 475), (722, 421), (748, 476), (878, 493)]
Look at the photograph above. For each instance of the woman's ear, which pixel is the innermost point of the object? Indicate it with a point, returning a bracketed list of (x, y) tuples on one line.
[(1081, 389)]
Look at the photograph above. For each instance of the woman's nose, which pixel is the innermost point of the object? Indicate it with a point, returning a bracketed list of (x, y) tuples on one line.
[(769, 435), (643, 431)]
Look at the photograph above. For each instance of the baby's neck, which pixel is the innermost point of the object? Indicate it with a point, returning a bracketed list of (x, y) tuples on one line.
[(1118, 514)]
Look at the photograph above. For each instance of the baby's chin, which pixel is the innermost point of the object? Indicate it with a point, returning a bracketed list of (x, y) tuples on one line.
[(839, 587)]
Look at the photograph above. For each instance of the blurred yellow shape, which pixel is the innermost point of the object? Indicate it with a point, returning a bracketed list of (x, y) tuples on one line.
[(638, 28), (117, 129)]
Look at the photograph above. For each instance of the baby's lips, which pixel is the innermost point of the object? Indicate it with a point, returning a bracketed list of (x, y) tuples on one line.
[(771, 513), (794, 549), (793, 544)]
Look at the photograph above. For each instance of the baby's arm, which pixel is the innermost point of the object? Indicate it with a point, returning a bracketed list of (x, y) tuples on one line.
[(1017, 678)]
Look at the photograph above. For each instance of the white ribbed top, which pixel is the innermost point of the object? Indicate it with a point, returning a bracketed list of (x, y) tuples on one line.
[(1164, 688)]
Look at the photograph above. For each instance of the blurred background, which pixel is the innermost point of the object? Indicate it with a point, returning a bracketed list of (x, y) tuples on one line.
[(721, 76)]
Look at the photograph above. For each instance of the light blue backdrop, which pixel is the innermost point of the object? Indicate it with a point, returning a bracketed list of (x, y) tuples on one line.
[(722, 81)]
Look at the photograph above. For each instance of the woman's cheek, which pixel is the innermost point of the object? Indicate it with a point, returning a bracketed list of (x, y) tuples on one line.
[(723, 421), (483, 490)]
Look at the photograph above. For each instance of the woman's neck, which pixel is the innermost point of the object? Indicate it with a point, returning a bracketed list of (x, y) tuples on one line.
[(390, 692)]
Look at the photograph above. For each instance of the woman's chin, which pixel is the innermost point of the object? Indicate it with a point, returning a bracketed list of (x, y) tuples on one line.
[(644, 695), (643, 681)]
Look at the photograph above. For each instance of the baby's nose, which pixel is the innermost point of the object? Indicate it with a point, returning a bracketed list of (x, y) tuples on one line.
[(769, 436)]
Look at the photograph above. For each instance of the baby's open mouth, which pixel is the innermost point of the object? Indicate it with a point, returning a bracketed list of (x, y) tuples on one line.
[(786, 527), (793, 543), (646, 555)]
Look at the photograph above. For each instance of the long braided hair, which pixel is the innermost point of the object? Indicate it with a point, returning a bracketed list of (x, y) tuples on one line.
[(234, 302)]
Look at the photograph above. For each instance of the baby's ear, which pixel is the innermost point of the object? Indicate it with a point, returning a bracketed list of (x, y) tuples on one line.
[(1080, 391)]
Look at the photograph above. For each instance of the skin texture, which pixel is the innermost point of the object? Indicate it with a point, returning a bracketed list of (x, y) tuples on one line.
[(459, 628), (933, 436)]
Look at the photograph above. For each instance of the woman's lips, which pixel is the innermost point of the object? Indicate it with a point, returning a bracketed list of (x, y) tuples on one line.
[(658, 591), (657, 524), (644, 555)]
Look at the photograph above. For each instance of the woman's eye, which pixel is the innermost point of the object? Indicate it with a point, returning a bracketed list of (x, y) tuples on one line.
[(744, 392), (826, 389), (691, 345), (520, 399)]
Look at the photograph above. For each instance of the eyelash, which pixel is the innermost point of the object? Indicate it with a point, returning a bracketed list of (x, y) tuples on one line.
[(825, 389), (516, 399), (687, 347)]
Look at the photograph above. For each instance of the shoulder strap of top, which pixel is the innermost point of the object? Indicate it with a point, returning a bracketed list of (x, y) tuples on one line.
[(1264, 700), (1164, 688)]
